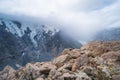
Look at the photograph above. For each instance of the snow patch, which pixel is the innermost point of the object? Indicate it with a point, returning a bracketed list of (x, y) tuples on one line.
[(23, 28), (35, 29), (32, 34), (51, 30), (11, 27)]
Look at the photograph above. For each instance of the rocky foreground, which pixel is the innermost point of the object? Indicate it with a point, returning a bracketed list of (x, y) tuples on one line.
[(94, 61)]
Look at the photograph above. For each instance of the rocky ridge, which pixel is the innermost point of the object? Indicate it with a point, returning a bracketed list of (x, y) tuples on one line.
[(94, 61)]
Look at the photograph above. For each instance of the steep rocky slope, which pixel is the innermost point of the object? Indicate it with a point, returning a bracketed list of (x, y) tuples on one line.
[(94, 61), (21, 43)]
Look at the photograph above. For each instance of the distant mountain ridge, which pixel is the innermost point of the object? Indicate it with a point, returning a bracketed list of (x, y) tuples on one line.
[(108, 34)]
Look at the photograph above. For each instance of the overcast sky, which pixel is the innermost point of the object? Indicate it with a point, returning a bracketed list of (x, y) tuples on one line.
[(77, 16)]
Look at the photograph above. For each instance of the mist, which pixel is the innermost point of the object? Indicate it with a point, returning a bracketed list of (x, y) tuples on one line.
[(80, 19)]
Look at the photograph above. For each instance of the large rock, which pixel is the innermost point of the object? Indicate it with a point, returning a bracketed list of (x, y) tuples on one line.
[(116, 77), (74, 53), (112, 55), (7, 74), (82, 76), (60, 60), (67, 76)]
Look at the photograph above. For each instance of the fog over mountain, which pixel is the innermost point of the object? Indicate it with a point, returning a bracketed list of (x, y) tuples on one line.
[(59, 39), (21, 43), (38, 30), (82, 18)]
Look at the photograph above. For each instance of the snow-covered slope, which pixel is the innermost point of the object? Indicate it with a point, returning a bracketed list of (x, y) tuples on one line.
[(21, 43), (18, 29)]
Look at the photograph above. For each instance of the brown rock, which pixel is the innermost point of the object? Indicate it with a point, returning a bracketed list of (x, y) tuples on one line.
[(83, 60), (39, 78), (116, 77), (67, 76), (67, 66), (88, 70), (7, 74), (94, 48), (30, 71), (75, 53), (60, 60), (46, 67), (75, 66), (98, 60), (98, 48), (112, 55), (67, 51), (82, 76), (54, 74)]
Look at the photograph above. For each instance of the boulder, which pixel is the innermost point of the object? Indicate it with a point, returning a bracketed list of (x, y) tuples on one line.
[(67, 76), (39, 78), (112, 55), (60, 60), (74, 53), (116, 77), (82, 76), (8, 73)]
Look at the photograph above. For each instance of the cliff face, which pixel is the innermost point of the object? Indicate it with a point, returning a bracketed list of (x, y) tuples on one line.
[(94, 61), (21, 43)]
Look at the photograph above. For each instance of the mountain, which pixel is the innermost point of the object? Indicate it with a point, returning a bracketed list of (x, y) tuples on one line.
[(94, 61), (108, 34), (21, 43)]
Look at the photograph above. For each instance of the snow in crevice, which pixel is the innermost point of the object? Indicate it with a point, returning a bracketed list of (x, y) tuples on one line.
[(23, 28), (11, 27), (14, 29), (35, 30), (32, 34), (51, 30)]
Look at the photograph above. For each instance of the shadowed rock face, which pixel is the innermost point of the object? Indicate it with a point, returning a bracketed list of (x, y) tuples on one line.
[(94, 61), (21, 43)]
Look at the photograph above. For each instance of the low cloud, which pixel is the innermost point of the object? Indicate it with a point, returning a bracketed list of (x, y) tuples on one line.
[(78, 18)]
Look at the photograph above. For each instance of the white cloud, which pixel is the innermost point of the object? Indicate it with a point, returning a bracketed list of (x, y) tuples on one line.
[(77, 16)]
